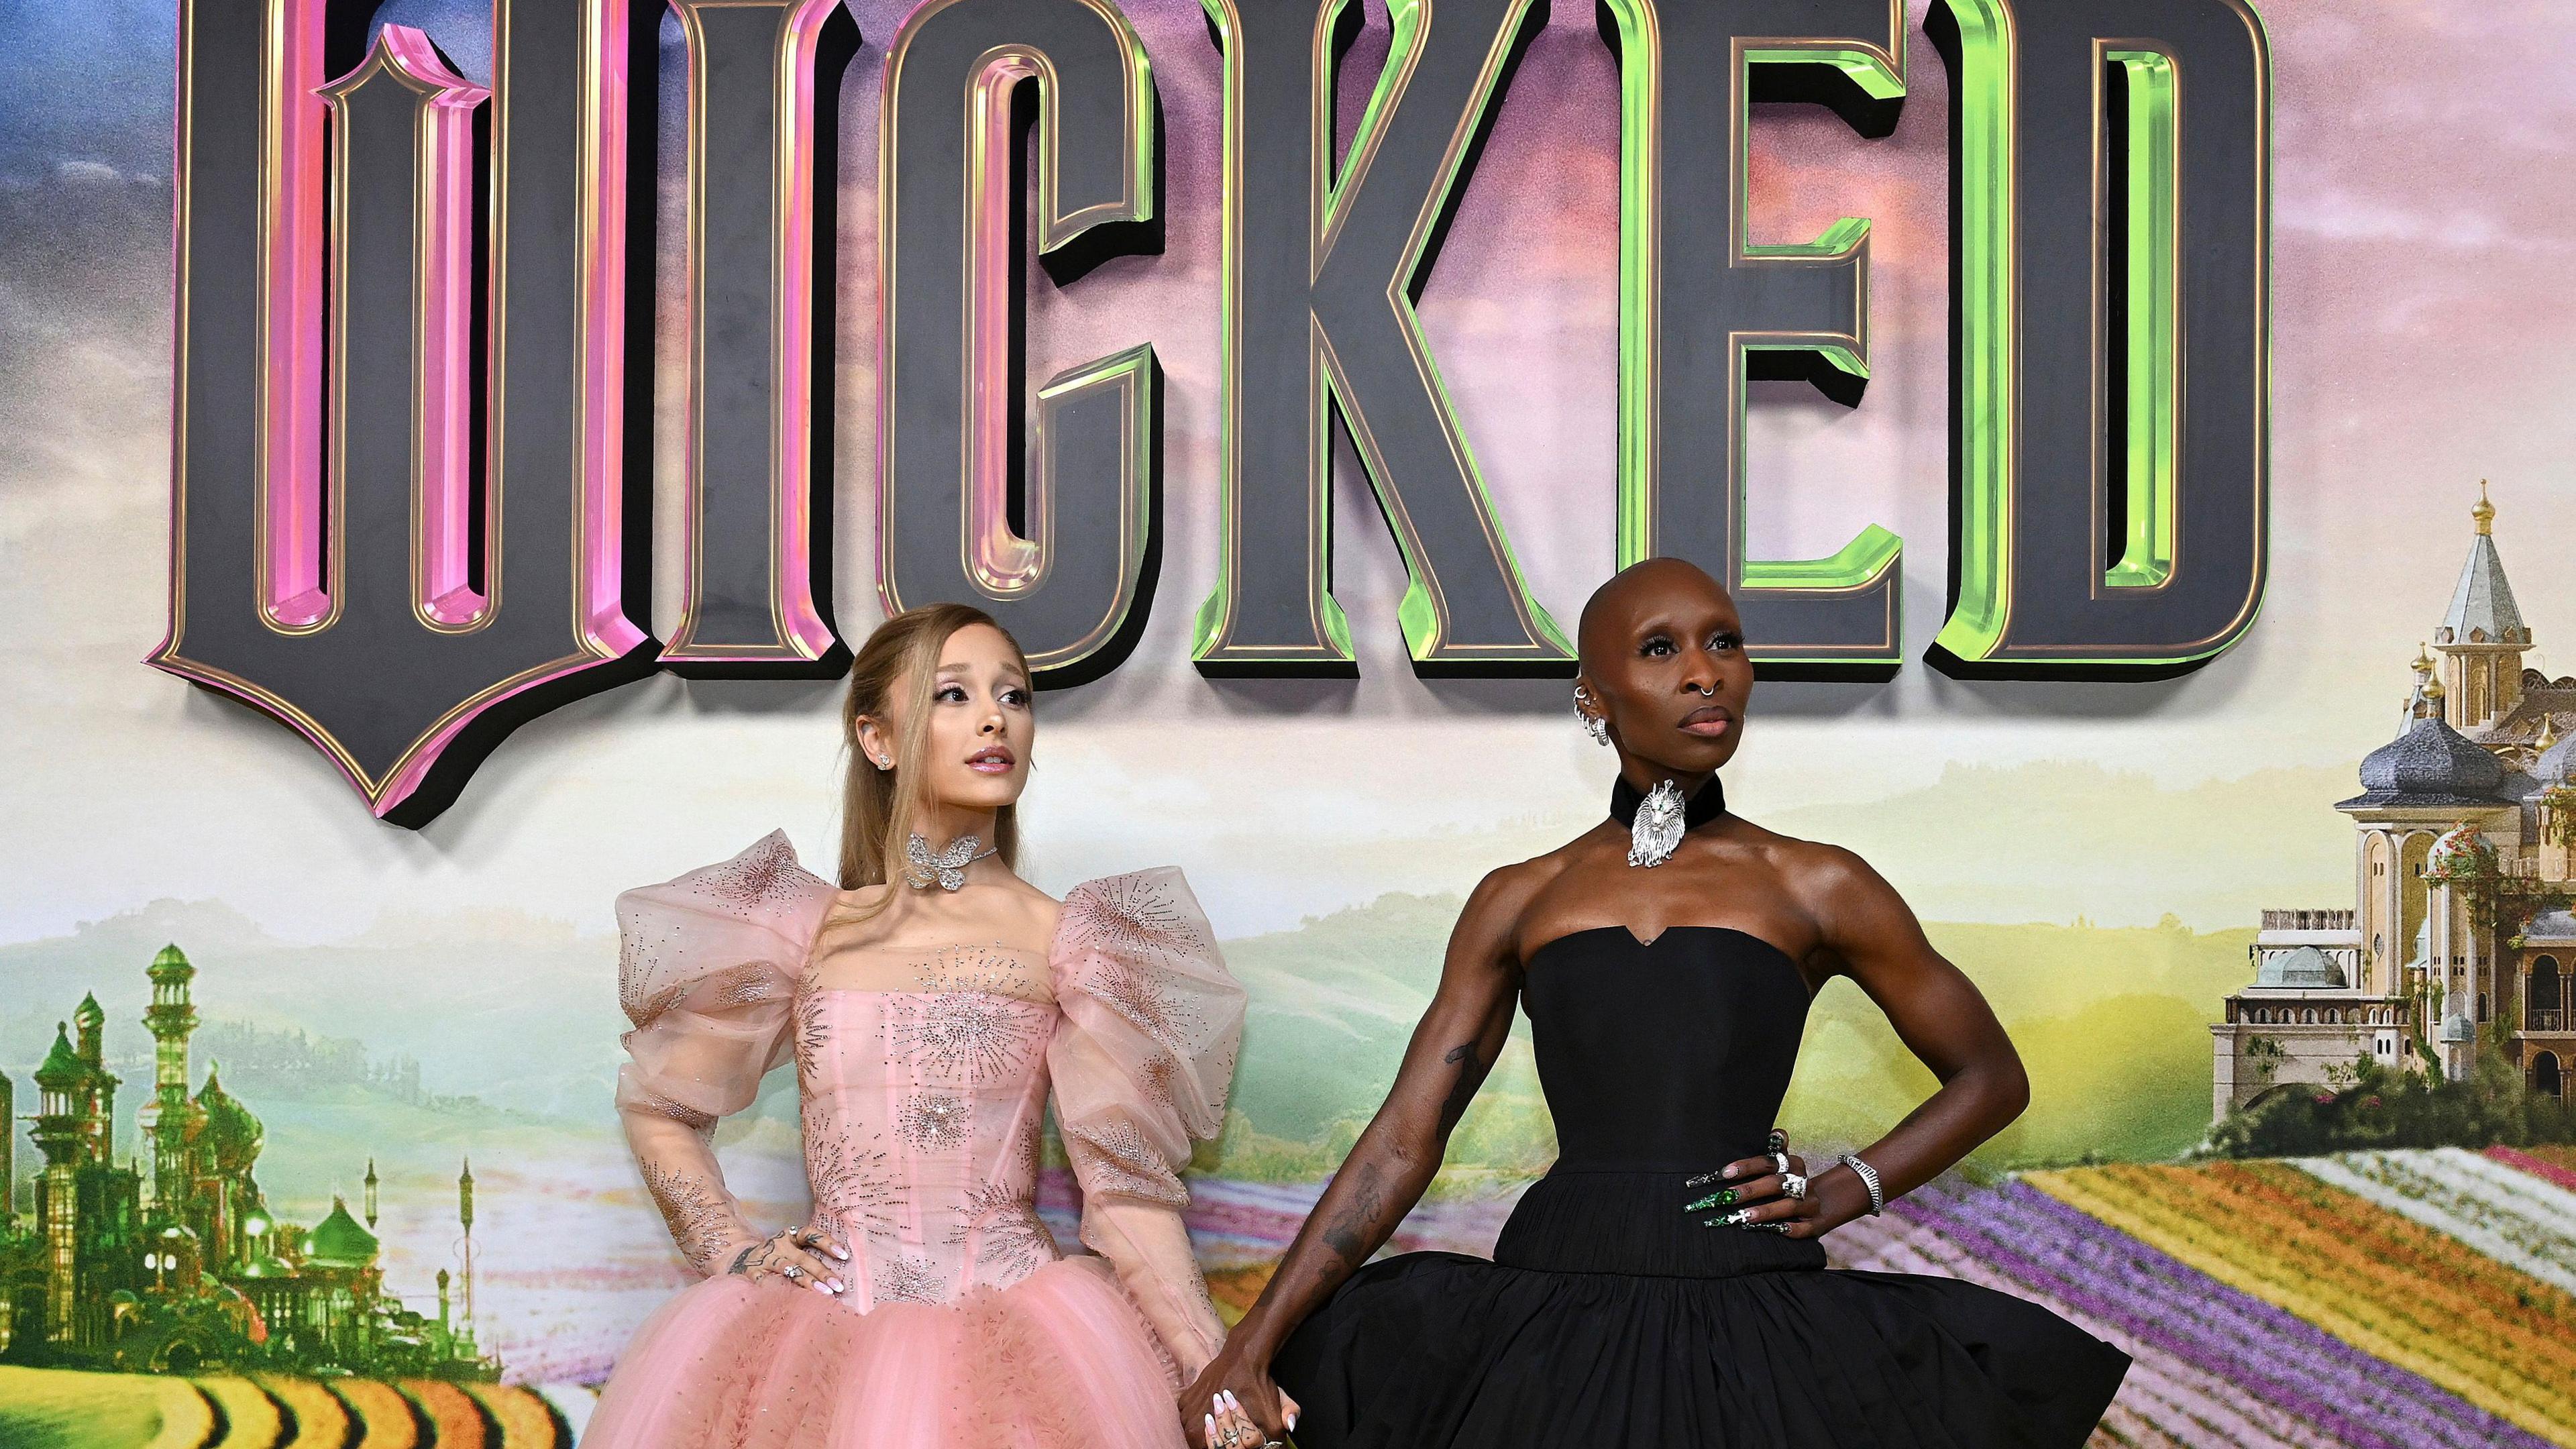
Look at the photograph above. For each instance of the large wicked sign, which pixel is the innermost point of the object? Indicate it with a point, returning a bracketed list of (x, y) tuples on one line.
[(412, 450)]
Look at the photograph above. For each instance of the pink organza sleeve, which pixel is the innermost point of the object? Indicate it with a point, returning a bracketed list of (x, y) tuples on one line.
[(707, 967), (1141, 1063)]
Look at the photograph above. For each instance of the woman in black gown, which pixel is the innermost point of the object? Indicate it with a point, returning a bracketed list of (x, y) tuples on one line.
[(1662, 1285)]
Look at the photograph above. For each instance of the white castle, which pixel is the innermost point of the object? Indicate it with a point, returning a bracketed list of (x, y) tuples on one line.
[(2480, 758)]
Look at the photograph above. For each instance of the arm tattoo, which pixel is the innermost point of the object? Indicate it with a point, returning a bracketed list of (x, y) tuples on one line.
[(1350, 1232), (1471, 1075)]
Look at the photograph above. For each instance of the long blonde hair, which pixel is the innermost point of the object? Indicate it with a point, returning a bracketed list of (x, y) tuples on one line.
[(878, 806)]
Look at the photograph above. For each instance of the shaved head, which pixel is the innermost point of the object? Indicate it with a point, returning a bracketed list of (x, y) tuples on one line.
[(1647, 583)]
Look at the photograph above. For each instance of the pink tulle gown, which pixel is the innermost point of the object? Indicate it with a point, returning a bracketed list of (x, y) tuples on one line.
[(924, 1074)]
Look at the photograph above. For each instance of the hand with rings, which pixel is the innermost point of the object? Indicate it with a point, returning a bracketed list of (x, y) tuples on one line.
[(796, 1255), (1211, 1398), (1229, 1427), (1774, 1194)]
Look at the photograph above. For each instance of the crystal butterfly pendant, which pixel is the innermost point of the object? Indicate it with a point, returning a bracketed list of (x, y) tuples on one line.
[(1657, 830), (946, 868)]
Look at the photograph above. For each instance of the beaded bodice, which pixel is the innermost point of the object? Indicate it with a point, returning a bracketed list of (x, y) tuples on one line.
[(922, 1104)]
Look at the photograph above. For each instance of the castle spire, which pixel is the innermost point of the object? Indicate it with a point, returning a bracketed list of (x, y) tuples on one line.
[(465, 1215), (2482, 635), (89, 1019), (2418, 703), (170, 1018)]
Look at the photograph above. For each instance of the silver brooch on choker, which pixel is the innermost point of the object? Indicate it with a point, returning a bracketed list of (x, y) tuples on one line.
[(945, 869), (1657, 830)]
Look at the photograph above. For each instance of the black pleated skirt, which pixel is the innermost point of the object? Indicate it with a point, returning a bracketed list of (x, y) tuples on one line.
[(1608, 1319)]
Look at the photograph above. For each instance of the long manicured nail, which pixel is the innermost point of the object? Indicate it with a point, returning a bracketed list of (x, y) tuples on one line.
[(1773, 1227), (1211, 1429), (1723, 1197), (836, 1285), (1738, 1218), (1292, 1419), (820, 1287), (1703, 1180), (1729, 1173)]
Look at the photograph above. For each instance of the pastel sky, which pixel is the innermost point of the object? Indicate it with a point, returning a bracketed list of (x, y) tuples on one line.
[(2423, 341)]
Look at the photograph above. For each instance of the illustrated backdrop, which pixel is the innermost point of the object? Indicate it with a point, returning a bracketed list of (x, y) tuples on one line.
[(2094, 854)]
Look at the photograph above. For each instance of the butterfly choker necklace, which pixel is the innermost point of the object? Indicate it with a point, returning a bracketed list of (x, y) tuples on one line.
[(1657, 818), (945, 869)]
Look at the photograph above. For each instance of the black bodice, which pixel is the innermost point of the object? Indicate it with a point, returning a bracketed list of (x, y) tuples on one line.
[(1661, 1060), (1663, 1056)]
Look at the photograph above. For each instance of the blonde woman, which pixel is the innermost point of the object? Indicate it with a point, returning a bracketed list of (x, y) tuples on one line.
[(934, 1004)]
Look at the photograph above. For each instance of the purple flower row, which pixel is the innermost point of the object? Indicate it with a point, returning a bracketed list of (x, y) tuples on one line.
[(2163, 1399), (2273, 1355)]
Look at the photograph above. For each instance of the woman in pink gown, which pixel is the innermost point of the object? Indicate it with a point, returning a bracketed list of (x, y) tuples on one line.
[(931, 1018)]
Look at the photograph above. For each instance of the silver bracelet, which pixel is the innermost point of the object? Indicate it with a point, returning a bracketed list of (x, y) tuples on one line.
[(1869, 1179)]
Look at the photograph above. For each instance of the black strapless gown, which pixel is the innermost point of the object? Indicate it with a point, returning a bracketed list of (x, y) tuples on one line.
[(1610, 1319)]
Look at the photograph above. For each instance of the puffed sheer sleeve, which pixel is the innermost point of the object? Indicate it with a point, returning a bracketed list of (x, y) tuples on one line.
[(1141, 1063), (707, 970)]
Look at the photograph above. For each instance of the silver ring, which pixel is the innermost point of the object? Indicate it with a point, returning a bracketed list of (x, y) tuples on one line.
[(1231, 1436), (1792, 1185), (1780, 1163), (791, 1271)]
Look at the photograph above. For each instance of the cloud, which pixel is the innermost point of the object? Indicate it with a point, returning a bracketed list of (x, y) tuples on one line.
[(93, 173)]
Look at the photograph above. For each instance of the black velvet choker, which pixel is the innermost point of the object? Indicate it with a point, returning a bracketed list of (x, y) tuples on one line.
[(1702, 808)]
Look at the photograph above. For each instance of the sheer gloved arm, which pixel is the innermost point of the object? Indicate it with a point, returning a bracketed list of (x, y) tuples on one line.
[(707, 972), (1141, 1064)]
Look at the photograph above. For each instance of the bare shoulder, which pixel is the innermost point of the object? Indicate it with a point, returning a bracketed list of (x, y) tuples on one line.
[(868, 898), (1489, 926), (1832, 882), (1032, 906), (1507, 890)]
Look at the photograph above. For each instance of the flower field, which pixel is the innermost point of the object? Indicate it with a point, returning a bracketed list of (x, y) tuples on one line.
[(2416, 1297), (2379, 1300), (2374, 1300), (67, 1409)]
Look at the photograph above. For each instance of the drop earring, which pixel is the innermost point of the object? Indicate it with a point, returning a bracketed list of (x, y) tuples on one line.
[(1593, 724)]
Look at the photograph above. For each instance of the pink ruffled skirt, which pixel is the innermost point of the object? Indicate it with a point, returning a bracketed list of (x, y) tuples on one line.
[(1060, 1359)]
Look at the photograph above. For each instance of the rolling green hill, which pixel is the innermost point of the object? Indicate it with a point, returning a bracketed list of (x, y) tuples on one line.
[(2112, 1023), (2110, 1020)]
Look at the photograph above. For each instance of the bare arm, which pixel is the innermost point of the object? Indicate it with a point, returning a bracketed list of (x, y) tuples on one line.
[(1869, 933), (1453, 1047)]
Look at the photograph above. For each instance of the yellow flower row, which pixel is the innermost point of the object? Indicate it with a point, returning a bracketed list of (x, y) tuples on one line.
[(2390, 1287)]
